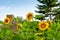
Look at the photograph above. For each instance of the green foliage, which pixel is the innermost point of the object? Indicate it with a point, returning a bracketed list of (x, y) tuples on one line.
[(6, 34), (18, 19), (47, 6), (1, 22), (57, 18), (30, 31), (40, 17)]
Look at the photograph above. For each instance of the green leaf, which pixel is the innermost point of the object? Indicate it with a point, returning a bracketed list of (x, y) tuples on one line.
[(41, 17), (58, 36)]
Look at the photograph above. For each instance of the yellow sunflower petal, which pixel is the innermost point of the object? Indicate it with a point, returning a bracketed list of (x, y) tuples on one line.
[(49, 21), (29, 16), (18, 26), (43, 25), (7, 21)]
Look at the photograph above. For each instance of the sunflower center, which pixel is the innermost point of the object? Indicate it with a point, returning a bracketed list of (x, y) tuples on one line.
[(6, 20), (43, 25), (29, 15)]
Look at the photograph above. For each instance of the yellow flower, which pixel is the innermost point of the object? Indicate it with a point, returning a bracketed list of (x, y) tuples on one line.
[(18, 26), (49, 21), (43, 25), (29, 16), (7, 21)]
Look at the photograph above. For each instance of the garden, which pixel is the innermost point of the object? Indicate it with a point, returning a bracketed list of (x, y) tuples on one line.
[(33, 27)]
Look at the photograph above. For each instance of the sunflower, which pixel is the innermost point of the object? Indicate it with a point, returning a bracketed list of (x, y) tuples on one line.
[(18, 26), (7, 21), (29, 16), (43, 25), (49, 21)]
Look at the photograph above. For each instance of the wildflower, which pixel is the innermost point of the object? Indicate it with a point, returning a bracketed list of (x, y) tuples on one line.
[(43, 25), (29, 16), (7, 21)]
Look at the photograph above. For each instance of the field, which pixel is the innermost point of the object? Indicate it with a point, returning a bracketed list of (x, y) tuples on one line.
[(28, 29)]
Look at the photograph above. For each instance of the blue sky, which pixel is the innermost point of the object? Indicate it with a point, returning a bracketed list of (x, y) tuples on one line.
[(17, 7)]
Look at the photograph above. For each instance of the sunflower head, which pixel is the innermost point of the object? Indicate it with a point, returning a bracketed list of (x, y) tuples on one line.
[(18, 26), (7, 21), (49, 21), (43, 25), (29, 16)]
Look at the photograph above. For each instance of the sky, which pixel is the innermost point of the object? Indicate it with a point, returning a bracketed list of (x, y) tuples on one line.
[(17, 7)]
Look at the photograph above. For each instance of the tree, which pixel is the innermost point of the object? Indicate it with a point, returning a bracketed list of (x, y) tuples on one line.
[(57, 16), (47, 7)]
